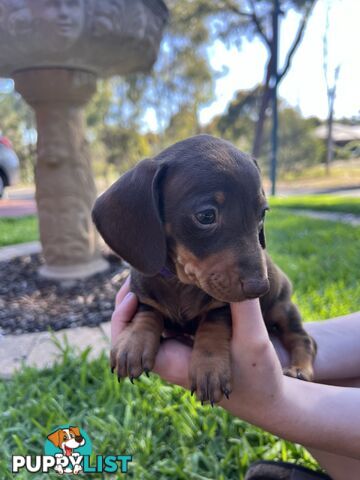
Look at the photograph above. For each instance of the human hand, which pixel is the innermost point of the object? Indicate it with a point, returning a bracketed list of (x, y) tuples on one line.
[(257, 374), (173, 358)]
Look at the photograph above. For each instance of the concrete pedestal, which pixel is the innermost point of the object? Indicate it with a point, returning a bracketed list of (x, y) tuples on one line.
[(65, 189)]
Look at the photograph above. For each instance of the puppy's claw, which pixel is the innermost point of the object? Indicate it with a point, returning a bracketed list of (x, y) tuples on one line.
[(146, 370), (119, 378), (226, 393), (112, 369), (132, 379), (212, 403)]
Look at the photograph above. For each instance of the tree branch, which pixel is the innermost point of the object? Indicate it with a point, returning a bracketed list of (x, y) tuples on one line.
[(258, 25), (296, 42), (251, 15)]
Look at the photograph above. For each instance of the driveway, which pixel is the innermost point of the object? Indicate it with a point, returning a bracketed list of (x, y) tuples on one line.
[(18, 202)]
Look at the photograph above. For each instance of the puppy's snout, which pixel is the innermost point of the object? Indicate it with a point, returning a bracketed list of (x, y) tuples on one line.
[(256, 288)]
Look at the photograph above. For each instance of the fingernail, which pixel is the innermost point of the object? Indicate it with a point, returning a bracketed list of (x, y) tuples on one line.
[(128, 297)]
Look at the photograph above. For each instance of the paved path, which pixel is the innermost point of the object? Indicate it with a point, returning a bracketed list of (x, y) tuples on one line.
[(348, 218), (12, 251), (18, 202), (40, 349), (43, 349), (17, 207)]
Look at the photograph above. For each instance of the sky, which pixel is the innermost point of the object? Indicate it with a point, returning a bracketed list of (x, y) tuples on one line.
[(304, 86)]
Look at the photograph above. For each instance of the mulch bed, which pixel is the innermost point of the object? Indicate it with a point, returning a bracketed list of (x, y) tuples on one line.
[(29, 303)]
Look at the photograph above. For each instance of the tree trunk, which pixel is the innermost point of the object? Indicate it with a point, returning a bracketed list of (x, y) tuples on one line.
[(329, 142), (260, 124), (265, 99)]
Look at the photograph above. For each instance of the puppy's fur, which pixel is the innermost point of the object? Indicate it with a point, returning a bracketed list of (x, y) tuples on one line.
[(191, 224)]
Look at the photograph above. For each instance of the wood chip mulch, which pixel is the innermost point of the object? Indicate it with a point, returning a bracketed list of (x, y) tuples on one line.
[(29, 303)]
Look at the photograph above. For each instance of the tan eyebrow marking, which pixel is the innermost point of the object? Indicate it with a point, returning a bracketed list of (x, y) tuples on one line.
[(220, 197)]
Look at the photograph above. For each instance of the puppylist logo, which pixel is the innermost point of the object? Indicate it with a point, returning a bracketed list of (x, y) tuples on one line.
[(68, 450)]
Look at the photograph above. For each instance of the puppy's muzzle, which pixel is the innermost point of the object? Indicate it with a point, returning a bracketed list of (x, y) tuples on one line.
[(256, 288)]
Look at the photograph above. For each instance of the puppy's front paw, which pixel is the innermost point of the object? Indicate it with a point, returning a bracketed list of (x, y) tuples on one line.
[(210, 376), (134, 353), (301, 373)]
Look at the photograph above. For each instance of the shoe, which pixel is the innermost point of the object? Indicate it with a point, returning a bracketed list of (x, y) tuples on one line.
[(264, 470)]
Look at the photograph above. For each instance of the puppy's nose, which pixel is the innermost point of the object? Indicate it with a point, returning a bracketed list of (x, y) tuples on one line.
[(79, 439), (256, 288)]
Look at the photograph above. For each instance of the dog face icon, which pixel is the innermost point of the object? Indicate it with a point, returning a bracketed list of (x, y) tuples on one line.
[(67, 439)]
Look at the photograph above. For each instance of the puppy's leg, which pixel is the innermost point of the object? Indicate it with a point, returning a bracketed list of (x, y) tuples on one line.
[(210, 368), (302, 348), (135, 350)]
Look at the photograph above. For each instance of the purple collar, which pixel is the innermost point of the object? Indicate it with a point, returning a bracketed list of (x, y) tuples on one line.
[(166, 273)]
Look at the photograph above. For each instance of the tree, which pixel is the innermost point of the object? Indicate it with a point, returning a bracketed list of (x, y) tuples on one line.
[(299, 146), (232, 20), (331, 84), (237, 122), (18, 124)]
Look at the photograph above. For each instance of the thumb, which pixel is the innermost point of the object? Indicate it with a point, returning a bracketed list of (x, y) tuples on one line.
[(248, 325), (123, 314)]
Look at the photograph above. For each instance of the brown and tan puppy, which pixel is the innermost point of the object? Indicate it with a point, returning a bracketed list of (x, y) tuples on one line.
[(191, 224)]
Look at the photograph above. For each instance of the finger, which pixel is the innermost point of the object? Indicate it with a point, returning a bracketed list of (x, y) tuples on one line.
[(248, 325), (173, 362), (125, 288), (123, 314)]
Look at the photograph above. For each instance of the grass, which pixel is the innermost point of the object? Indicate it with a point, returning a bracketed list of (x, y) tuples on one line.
[(332, 203), (168, 433), (342, 173), (18, 230)]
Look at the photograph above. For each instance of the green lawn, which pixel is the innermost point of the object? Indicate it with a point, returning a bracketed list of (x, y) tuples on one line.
[(18, 230), (168, 433), (332, 203)]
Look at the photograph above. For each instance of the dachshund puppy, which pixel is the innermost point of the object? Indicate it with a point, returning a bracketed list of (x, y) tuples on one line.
[(191, 224)]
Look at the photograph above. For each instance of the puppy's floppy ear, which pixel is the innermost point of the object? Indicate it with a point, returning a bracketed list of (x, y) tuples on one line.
[(127, 217), (55, 438)]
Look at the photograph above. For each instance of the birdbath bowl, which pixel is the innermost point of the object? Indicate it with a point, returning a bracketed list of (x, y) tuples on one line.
[(55, 50)]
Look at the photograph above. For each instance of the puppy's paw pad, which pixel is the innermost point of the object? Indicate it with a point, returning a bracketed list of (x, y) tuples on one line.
[(299, 373)]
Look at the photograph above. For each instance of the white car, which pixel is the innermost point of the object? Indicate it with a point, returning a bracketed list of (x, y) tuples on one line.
[(9, 165)]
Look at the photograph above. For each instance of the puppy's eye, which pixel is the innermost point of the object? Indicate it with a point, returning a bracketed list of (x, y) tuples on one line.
[(206, 217)]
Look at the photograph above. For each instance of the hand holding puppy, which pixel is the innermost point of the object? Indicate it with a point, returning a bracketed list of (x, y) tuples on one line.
[(303, 412)]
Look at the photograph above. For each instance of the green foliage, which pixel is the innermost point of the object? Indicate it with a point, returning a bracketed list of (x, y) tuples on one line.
[(125, 146), (182, 125), (329, 203), (237, 123), (168, 433), (298, 146), (321, 258), (18, 230), (17, 123)]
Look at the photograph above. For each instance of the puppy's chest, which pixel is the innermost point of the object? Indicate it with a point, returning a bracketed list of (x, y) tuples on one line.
[(180, 304)]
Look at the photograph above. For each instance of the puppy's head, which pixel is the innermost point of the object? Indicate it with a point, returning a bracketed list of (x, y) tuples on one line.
[(198, 205), (69, 437)]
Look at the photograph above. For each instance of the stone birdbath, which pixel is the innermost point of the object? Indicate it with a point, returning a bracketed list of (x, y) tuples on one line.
[(55, 50)]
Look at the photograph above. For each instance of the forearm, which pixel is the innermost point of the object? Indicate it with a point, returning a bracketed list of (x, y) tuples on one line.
[(318, 416), (338, 354)]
